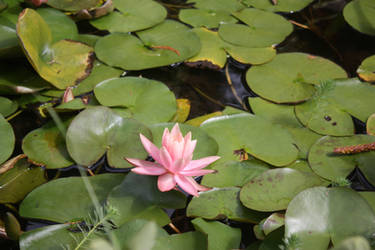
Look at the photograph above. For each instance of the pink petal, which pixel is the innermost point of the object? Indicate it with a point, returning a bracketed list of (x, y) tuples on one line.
[(166, 182), (176, 150), (197, 172), (146, 167), (178, 165), (165, 138), (150, 148), (185, 184), (176, 133), (189, 147), (201, 163), (166, 159)]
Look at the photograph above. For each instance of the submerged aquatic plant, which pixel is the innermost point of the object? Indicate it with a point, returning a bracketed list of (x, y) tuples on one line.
[(174, 162)]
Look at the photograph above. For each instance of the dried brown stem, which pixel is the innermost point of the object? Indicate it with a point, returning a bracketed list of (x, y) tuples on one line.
[(355, 149)]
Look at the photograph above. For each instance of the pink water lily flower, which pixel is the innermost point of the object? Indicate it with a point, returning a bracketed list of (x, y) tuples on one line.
[(173, 162)]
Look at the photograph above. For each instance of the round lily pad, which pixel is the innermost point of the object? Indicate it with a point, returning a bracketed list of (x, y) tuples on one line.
[(164, 44), (370, 125), (53, 61), (254, 56), (334, 167), (275, 188), (234, 173), (280, 6), (359, 14), (68, 5), (53, 200), (7, 107), (256, 136), (218, 5), (366, 70), (46, 146), (319, 215), (131, 16), (205, 18), (328, 112), (222, 203), (262, 29), (7, 139), (290, 77), (147, 100), (212, 50), (206, 145), (98, 130)]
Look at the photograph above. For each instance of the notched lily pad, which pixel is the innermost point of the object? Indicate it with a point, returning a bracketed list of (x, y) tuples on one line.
[(63, 63), (164, 44), (131, 16), (290, 77), (147, 100), (98, 130)]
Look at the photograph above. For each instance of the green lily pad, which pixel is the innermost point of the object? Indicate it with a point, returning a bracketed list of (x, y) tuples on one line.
[(7, 139), (290, 77), (185, 241), (68, 5), (139, 193), (319, 215), (53, 61), (78, 104), (273, 240), (262, 29), (272, 222), (332, 166), (303, 166), (369, 196), (164, 44), (131, 16), (218, 5), (67, 199), (88, 39), (62, 27), (19, 78), (99, 73), (284, 115), (56, 236), (254, 56), (12, 226), (366, 70), (328, 112), (7, 107), (359, 14), (234, 173), (147, 100), (9, 46), (206, 145), (219, 235), (275, 188), (20, 180), (98, 130), (281, 6), (212, 50), (370, 125), (353, 243), (258, 137), (46, 146), (205, 18), (221, 203)]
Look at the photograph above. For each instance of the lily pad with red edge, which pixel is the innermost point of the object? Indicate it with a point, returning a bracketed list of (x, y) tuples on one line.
[(205, 18), (319, 215), (222, 203), (138, 195), (329, 111), (131, 16), (366, 71), (53, 200), (98, 130), (359, 14), (22, 172), (333, 166), (234, 173), (164, 44), (258, 137), (206, 145), (64, 63), (273, 189), (261, 29), (291, 77), (148, 101), (7, 139), (46, 146), (74, 6), (281, 6)]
